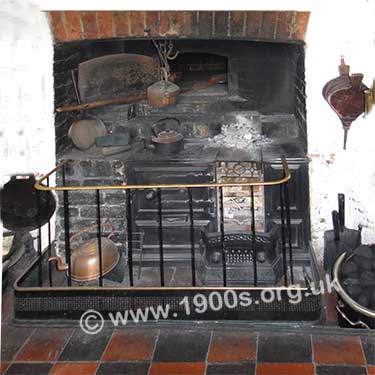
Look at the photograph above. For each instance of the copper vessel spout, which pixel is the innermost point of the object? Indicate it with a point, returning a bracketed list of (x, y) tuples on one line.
[(87, 262), (60, 266)]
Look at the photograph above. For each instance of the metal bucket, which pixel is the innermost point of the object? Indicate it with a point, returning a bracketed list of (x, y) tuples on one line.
[(351, 313)]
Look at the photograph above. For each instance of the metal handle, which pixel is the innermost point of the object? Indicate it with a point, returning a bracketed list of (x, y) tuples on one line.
[(336, 225), (176, 219), (150, 195), (341, 199), (161, 124), (354, 324)]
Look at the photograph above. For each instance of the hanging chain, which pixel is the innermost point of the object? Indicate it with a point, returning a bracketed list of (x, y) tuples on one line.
[(166, 51)]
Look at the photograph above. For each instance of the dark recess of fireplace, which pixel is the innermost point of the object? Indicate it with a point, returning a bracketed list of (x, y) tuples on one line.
[(267, 77)]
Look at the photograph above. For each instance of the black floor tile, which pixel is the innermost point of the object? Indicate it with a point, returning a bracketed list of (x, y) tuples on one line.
[(284, 347), (244, 368), (84, 347), (122, 368), (186, 346), (368, 345), (340, 370), (29, 369), (12, 338)]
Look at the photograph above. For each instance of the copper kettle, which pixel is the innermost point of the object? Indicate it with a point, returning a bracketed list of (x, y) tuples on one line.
[(85, 264)]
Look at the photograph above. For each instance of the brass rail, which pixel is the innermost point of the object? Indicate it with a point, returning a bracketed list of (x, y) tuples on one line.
[(38, 185)]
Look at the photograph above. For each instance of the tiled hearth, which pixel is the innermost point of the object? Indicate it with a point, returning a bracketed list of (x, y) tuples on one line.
[(189, 349), (185, 351)]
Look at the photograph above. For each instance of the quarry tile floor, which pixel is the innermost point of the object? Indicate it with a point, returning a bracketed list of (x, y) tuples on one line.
[(180, 349), (39, 350)]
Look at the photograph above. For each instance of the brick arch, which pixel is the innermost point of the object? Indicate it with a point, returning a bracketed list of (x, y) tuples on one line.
[(255, 25)]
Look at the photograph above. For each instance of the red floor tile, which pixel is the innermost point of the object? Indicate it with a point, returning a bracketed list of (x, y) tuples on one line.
[(285, 369), (232, 347), (4, 366), (44, 345), (7, 305), (345, 350), (76, 368), (177, 368), (371, 370), (330, 301), (130, 345)]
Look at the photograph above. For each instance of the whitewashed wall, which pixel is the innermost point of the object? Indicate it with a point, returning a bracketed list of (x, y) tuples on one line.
[(26, 92), (26, 89), (340, 28), (336, 28)]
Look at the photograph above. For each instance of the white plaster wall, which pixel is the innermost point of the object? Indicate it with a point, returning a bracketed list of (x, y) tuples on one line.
[(336, 28), (26, 89), (26, 92), (340, 28)]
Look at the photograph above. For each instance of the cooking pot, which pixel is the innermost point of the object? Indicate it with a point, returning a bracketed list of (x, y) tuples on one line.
[(162, 94), (85, 258), (23, 208), (167, 138)]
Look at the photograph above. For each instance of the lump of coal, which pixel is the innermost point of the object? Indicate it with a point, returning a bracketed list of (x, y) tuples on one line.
[(364, 300), (364, 251), (358, 275), (350, 281), (363, 262), (349, 268), (353, 290), (367, 279)]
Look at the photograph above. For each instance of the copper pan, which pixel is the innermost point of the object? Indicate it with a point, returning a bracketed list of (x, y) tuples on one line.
[(85, 265)]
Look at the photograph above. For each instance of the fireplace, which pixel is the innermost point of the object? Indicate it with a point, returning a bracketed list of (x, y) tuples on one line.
[(263, 81), (241, 135)]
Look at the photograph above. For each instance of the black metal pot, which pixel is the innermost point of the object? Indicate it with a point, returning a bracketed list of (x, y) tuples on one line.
[(167, 138), (23, 208), (168, 142)]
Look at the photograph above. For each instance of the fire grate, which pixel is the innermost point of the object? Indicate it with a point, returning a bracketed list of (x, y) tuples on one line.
[(241, 251), (239, 247)]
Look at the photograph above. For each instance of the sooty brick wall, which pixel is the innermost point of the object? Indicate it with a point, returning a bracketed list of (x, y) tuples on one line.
[(300, 88), (82, 204)]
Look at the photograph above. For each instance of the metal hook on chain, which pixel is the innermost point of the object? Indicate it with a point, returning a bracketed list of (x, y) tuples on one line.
[(166, 51), (171, 47)]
